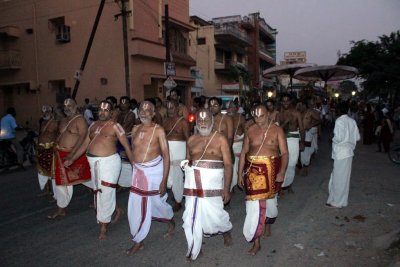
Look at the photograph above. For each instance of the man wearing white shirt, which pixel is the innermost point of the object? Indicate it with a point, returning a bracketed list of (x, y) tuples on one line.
[(88, 114), (344, 141)]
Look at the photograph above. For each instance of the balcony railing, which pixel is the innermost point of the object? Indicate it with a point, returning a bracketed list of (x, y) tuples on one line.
[(265, 51), (10, 59), (231, 31), (226, 65), (267, 29)]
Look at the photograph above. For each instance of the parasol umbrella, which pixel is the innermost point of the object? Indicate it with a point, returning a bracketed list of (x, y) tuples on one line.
[(288, 69), (326, 73)]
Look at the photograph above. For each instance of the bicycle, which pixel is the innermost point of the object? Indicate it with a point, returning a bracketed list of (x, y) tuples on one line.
[(394, 153)]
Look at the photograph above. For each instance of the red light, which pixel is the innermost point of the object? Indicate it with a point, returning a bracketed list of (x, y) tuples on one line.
[(191, 118)]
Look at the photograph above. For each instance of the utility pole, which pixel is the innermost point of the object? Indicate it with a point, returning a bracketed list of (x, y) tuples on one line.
[(89, 45), (169, 67), (125, 13), (167, 46)]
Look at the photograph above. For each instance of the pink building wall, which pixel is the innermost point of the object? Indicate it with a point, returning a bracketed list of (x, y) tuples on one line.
[(44, 60)]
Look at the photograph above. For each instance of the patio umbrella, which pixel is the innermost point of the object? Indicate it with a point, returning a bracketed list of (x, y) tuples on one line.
[(288, 69), (326, 73)]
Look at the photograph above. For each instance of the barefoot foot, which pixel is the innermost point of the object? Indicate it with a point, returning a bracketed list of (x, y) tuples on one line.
[(255, 249), (135, 248), (103, 231), (117, 214), (267, 230), (227, 239), (171, 229), (290, 190), (59, 213)]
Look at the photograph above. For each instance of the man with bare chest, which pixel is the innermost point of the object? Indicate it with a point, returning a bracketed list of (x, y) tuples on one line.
[(105, 164), (208, 174), (239, 122), (48, 133), (147, 199), (126, 118), (270, 104), (290, 120), (222, 122), (175, 94), (262, 167), (177, 132), (311, 120), (70, 167)]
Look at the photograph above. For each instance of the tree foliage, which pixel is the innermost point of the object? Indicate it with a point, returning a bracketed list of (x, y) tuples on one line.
[(239, 70), (378, 64)]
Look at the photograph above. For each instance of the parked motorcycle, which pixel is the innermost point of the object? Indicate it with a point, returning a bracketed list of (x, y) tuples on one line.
[(8, 156)]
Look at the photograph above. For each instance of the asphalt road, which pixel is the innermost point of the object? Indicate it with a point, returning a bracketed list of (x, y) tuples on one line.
[(306, 233)]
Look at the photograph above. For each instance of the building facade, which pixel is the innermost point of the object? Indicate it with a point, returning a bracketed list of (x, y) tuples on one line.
[(42, 46), (230, 45)]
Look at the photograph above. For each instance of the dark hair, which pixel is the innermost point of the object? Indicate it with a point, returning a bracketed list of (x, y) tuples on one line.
[(343, 107), (87, 100), (11, 110), (215, 98), (286, 95), (157, 99), (112, 99), (133, 102), (124, 97), (151, 100), (178, 93), (269, 100)]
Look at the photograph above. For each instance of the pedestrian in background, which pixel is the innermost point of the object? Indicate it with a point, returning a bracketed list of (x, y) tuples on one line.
[(344, 141)]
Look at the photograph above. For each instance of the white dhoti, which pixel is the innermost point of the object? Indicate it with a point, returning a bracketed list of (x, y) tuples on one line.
[(145, 203), (105, 172), (305, 156), (125, 176), (258, 213), (339, 183), (63, 194), (43, 180), (292, 139), (177, 153), (236, 148), (53, 183), (314, 142), (204, 208)]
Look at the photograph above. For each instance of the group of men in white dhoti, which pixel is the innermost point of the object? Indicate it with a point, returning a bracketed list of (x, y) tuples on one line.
[(202, 169)]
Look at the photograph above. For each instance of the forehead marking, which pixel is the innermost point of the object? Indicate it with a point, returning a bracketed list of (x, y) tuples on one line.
[(104, 105), (68, 101)]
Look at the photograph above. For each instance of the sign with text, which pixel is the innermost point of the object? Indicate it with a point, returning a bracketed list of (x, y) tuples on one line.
[(169, 69)]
